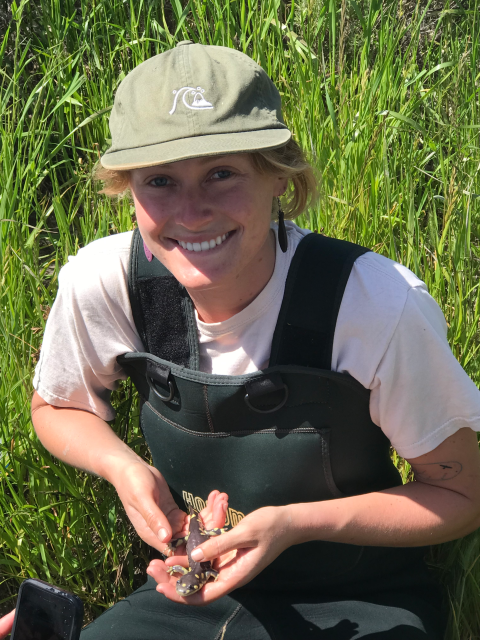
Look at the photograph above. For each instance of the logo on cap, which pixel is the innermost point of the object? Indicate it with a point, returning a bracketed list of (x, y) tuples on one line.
[(198, 103)]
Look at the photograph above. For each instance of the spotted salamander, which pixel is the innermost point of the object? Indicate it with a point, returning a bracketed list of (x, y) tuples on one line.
[(198, 573)]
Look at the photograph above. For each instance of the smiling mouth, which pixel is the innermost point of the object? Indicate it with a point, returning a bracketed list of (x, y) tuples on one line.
[(206, 245)]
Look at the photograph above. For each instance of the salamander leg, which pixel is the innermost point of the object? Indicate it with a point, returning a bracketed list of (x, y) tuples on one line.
[(211, 573), (178, 569), (173, 544), (216, 531)]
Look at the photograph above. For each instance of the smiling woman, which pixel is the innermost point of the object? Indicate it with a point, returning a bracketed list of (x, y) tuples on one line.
[(196, 201), (276, 368)]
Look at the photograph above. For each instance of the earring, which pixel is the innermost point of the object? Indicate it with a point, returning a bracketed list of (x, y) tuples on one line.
[(282, 232), (148, 253)]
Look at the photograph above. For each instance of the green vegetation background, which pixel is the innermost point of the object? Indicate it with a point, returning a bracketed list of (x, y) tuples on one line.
[(384, 96)]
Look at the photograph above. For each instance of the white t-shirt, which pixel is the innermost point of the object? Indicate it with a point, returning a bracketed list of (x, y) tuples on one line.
[(390, 336)]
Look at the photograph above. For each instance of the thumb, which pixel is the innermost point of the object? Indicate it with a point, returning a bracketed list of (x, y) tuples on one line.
[(219, 545), (146, 513), (157, 521), (6, 624)]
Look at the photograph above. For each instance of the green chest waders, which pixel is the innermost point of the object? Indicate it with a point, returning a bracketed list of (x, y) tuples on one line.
[(295, 432)]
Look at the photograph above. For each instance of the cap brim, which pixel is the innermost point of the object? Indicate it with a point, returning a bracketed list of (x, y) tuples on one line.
[(195, 147)]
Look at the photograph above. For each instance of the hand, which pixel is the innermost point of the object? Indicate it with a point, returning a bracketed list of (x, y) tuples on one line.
[(213, 516), (149, 504), (6, 624), (238, 555)]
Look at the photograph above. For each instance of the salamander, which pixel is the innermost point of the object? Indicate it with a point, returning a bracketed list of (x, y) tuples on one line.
[(198, 573)]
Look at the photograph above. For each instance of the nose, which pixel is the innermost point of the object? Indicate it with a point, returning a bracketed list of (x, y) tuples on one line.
[(193, 211)]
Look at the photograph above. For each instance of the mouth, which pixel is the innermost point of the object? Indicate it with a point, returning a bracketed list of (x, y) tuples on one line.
[(206, 245)]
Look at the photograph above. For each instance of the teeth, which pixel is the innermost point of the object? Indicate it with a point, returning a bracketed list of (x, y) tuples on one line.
[(206, 245)]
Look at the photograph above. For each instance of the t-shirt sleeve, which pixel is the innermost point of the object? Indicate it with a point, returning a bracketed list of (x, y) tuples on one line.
[(89, 325), (420, 395)]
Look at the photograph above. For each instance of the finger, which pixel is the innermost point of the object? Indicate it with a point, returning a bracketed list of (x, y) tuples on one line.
[(213, 513), (207, 511), (177, 559), (219, 545), (211, 497), (219, 513), (6, 624), (157, 569), (155, 519), (179, 524)]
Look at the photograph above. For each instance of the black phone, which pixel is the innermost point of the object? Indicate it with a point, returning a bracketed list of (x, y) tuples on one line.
[(46, 612)]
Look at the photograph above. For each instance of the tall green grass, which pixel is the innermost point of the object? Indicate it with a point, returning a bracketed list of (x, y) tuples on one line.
[(385, 99)]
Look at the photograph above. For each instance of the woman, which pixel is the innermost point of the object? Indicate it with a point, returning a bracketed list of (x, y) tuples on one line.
[(276, 367)]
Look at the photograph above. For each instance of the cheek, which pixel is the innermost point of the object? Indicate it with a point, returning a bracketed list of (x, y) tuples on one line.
[(253, 211), (149, 216)]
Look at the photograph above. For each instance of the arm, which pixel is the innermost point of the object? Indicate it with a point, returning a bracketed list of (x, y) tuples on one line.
[(443, 504), (84, 440)]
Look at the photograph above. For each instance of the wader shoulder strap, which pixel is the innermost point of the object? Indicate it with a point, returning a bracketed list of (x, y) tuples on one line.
[(313, 293), (162, 309)]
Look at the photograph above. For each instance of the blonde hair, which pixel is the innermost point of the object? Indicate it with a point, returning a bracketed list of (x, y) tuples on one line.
[(287, 161)]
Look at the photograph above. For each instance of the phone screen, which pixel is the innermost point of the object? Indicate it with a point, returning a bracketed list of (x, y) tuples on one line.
[(43, 615)]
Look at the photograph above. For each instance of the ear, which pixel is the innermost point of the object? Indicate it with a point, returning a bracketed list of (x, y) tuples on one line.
[(281, 184)]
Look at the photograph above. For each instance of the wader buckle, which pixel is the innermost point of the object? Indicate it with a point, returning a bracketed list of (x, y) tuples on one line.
[(260, 388), (159, 373)]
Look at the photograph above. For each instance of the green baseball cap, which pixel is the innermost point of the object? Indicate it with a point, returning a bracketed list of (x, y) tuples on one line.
[(191, 101)]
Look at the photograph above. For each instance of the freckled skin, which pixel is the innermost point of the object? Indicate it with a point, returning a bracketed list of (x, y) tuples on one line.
[(198, 573)]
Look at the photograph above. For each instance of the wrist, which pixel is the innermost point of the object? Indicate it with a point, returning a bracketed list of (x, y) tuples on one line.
[(113, 464), (293, 523)]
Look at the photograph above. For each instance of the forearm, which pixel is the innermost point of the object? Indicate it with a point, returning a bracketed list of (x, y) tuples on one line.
[(84, 440), (411, 515), (81, 439)]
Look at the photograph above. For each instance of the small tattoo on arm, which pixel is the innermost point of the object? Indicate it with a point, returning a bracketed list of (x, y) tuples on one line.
[(437, 470)]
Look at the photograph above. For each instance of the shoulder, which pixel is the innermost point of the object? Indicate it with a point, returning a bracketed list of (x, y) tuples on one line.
[(391, 293), (380, 286), (373, 275), (103, 262), (378, 271), (380, 298), (93, 285), (111, 249)]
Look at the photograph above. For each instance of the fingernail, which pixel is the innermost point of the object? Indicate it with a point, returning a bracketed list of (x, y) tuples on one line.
[(225, 507), (162, 534), (197, 555)]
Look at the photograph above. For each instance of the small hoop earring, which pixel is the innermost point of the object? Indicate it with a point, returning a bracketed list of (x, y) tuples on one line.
[(282, 232)]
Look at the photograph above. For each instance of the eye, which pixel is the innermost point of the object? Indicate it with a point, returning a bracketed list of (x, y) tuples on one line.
[(222, 174), (158, 182)]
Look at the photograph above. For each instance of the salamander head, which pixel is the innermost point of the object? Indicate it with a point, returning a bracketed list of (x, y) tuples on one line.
[(189, 584)]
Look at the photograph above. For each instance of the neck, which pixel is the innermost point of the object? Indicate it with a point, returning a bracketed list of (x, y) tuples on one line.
[(226, 300)]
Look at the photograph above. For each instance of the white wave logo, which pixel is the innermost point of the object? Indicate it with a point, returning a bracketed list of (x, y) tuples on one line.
[(198, 103)]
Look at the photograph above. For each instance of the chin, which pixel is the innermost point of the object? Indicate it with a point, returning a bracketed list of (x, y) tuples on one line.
[(195, 279)]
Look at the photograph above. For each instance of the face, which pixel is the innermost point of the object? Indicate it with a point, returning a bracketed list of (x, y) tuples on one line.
[(208, 219)]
